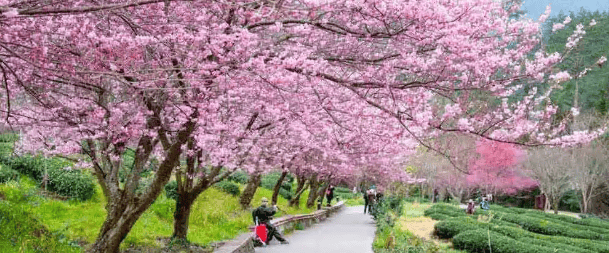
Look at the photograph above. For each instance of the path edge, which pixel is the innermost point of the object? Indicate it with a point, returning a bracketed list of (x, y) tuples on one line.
[(244, 243)]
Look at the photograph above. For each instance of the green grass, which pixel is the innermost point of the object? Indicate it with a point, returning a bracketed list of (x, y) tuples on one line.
[(20, 229), (215, 216), (356, 201), (414, 210)]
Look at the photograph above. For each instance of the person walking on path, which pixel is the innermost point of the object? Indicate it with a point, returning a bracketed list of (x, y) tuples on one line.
[(366, 204), (264, 214), (330, 194), (370, 200)]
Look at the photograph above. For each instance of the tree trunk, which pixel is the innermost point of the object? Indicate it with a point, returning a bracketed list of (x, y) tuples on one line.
[(278, 187), (250, 189), (300, 188), (117, 225), (321, 193), (314, 186), (583, 205), (555, 202), (181, 216)]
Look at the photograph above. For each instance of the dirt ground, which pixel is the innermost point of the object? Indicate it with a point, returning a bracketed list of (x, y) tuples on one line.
[(422, 227), (414, 221)]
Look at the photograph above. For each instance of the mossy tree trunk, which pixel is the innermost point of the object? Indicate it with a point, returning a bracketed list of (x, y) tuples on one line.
[(314, 185), (278, 187), (300, 188), (250, 189), (125, 204)]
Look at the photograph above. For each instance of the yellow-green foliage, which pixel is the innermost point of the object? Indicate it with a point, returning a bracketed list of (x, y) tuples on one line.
[(357, 201), (215, 216), (20, 230)]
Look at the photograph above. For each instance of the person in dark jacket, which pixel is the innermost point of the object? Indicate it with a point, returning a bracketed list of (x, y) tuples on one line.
[(263, 215), (366, 205), (330, 194)]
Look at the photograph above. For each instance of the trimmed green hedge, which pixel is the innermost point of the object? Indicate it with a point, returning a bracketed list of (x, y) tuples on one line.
[(548, 227), (480, 240), (530, 228), (68, 183), (445, 209), (228, 187), (573, 244), (238, 177), (71, 183), (451, 227), (593, 224), (596, 225), (26, 165), (268, 181)]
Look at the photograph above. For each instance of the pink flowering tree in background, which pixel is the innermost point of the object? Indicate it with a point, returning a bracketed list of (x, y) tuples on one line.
[(498, 169), (201, 81)]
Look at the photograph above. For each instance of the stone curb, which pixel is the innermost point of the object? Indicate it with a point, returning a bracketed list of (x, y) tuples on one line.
[(244, 242)]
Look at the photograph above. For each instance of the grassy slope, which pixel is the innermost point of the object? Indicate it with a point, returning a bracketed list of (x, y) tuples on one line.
[(216, 216), (20, 229)]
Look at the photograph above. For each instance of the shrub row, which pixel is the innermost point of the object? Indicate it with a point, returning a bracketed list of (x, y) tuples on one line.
[(574, 244), (7, 174), (593, 222), (268, 181), (238, 177), (571, 222), (445, 209), (71, 183), (68, 183), (561, 222), (596, 225), (228, 187), (480, 240), (452, 226), (554, 233), (548, 227), (26, 165)]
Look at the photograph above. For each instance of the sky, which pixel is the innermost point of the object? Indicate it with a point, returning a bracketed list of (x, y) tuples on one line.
[(535, 8)]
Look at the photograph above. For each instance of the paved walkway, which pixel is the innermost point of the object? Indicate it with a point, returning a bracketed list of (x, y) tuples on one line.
[(350, 231)]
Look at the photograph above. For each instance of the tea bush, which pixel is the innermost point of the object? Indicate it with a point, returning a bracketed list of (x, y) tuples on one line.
[(71, 183), (228, 187), (7, 174), (480, 240)]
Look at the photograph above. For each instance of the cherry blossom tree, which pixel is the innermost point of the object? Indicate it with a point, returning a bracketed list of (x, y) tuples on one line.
[(173, 78), (497, 169)]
